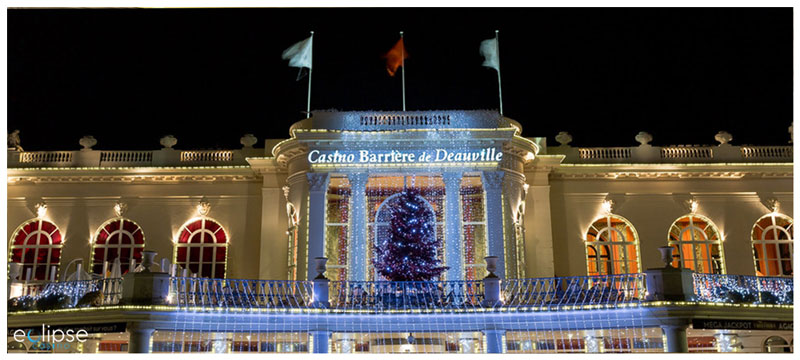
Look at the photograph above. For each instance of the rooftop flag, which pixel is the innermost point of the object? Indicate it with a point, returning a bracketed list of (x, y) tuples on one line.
[(490, 53), (396, 57), (490, 49), (299, 54)]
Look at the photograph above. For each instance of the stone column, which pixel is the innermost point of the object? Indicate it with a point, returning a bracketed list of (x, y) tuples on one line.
[(494, 341), (321, 340), (676, 338), (139, 338), (452, 211), (539, 233), (492, 187), (317, 189), (298, 196), (513, 197), (357, 252)]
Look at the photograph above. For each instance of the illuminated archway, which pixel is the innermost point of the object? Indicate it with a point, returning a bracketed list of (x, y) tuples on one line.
[(697, 244), (36, 245), (773, 245), (201, 246), (117, 238), (612, 246)]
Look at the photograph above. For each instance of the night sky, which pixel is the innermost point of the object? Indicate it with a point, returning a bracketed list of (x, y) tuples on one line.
[(208, 76)]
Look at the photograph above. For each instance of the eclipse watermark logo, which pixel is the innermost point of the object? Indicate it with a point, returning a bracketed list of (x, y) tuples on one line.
[(50, 339)]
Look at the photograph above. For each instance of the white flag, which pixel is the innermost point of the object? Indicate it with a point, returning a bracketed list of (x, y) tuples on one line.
[(489, 52), (299, 54)]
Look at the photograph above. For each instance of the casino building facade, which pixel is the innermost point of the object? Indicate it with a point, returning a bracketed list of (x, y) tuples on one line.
[(573, 237)]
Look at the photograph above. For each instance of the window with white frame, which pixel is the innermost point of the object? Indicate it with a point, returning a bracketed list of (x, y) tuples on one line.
[(201, 247), (117, 238), (697, 244), (612, 246), (36, 245), (773, 245)]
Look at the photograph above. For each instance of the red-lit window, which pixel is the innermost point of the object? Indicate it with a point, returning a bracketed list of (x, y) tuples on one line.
[(612, 247), (36, 244), (117, 238), (773, 246), (696, 245), (202, 248)]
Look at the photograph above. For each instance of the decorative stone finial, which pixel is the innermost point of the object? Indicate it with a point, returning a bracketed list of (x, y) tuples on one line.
[(491, 265), (13, 141), (41, 209), (87, 142), (168, 141), (204, 207), (723, 137), (643, 138), (666, 255), (120, 208), (564, 138), (319, 266), (248, 140), (148, 260)]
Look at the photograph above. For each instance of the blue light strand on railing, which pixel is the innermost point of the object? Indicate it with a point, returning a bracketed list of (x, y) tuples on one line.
[(719, 288)]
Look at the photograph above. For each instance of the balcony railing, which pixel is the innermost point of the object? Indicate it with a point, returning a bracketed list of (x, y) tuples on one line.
[(574, 291), (130, 158), (70, 294), (743, 289), (674, 154), (235, 293), (403, 295)]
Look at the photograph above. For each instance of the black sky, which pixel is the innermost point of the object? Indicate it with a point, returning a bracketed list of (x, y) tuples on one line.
[(207, 76)]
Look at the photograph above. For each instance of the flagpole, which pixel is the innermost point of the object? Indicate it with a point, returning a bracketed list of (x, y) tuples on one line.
[(499, 83), (403, 64), (310, 70)]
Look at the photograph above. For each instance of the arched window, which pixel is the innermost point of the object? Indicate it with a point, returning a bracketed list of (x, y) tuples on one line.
[(697, 244), (36, 245), (772, 245), (612, 247), (117, 238), (201, 247), (776, 344)]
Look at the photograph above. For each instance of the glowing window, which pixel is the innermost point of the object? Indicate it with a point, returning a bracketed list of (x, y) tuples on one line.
[(772, 245), (697, 245), (337, 226), (201, 247), (612, 247), (117, 238), (36, 245), (473, 220)]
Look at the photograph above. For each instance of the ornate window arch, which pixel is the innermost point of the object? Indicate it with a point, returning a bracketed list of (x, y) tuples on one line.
[(36, 245), (612, 246), (697, 244), (202, 247), (117, 238), (773, 245)]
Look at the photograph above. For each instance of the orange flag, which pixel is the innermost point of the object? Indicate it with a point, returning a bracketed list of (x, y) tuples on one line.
[(395, 56)]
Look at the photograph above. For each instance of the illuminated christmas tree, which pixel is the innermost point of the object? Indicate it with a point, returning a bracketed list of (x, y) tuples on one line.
[(409, 252)]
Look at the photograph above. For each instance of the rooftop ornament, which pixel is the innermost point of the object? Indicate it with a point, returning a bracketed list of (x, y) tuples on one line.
[(564, 138), (644, 138), (168, 141), (723, 137), (13, 141), (248, 140), (87, 142)]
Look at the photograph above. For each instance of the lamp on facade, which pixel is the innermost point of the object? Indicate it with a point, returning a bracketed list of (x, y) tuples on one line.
[(692, 205)]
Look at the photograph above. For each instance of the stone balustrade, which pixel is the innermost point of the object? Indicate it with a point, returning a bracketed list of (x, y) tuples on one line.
[(131, 158)]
